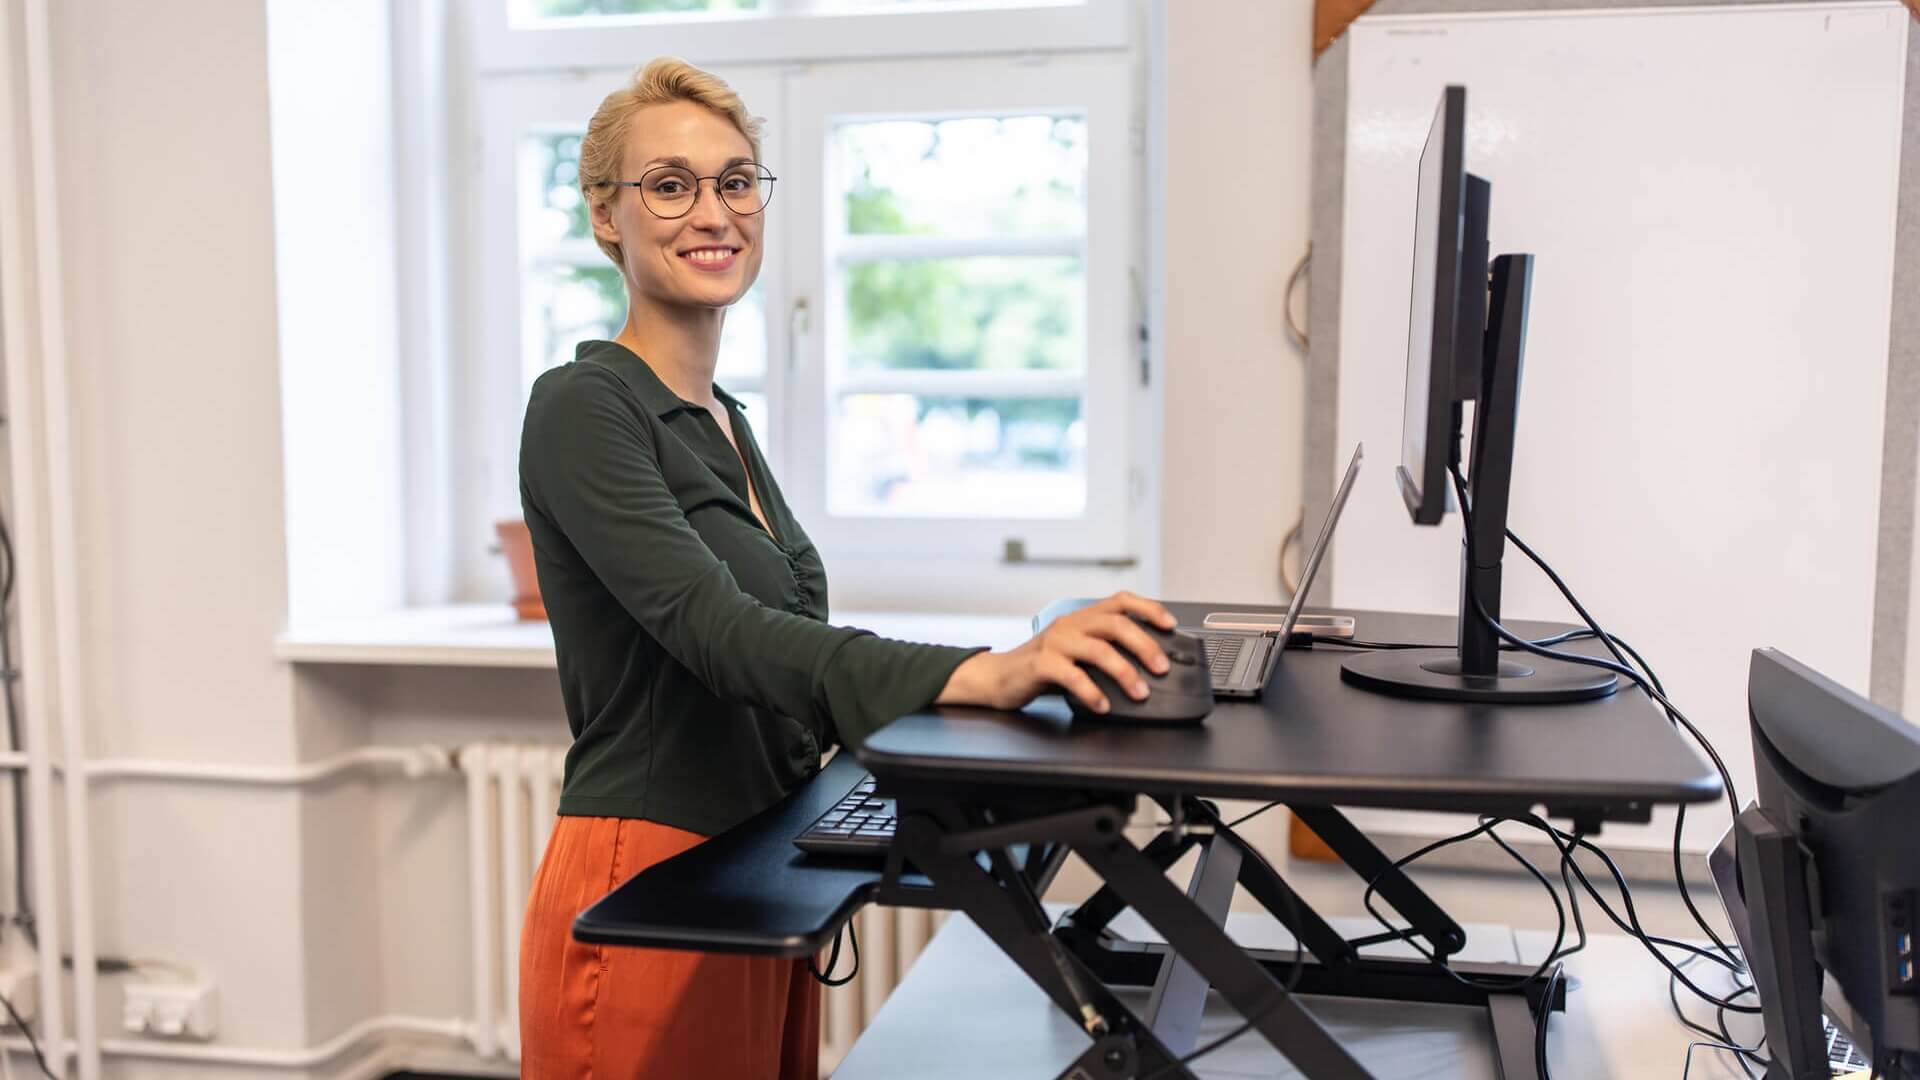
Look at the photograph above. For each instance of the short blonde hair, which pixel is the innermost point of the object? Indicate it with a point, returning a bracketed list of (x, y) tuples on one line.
[(664, 80)]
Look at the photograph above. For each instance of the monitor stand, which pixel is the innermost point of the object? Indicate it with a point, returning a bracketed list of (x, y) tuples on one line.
[(1475, 671)]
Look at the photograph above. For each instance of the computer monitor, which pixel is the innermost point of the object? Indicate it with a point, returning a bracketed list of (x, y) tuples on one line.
[(1466, 337), (1447, 313), (1829, 868)]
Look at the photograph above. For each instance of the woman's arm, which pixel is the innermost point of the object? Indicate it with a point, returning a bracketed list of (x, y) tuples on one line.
[(588, 465), (1051, 658)]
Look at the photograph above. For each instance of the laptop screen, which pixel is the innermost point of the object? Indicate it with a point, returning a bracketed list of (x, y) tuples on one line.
[(1319, 550)]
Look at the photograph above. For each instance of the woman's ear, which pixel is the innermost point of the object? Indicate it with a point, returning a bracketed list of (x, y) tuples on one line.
[(601, 216)]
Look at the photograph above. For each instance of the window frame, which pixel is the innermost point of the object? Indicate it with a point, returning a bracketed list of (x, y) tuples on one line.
[(792, 33), (1098, 87)]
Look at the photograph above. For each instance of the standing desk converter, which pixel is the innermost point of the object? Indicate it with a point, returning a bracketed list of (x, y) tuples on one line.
[(991, 802)]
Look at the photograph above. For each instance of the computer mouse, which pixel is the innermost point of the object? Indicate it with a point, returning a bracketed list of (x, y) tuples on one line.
[(1184, 695)]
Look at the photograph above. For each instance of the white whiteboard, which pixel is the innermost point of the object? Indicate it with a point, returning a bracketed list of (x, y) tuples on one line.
[(1710, 195)]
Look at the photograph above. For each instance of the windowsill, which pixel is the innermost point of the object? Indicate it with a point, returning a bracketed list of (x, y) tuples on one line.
[(488, 635)]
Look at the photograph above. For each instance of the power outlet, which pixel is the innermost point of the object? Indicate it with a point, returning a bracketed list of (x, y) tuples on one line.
[(171, 1010), (20, 985)]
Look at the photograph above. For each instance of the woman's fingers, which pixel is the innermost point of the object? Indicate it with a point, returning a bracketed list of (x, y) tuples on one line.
[(1125, 631), (1140, 607), (1056, 668), (1093, 650)]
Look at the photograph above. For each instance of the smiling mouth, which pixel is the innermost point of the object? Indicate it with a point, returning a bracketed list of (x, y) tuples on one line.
[(710, 256)]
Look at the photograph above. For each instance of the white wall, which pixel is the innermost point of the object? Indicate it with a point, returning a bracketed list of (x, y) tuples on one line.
[(1239, 100), (167, 246)]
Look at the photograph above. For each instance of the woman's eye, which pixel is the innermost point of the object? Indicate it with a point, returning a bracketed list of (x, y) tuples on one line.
[(737, 183)]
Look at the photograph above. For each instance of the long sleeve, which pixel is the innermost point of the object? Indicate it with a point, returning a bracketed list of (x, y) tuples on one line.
[(591, 464)]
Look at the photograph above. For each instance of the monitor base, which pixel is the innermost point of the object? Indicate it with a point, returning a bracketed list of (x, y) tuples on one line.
[(1434, 675)]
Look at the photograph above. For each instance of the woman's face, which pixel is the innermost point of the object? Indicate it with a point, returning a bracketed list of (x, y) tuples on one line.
[(709, 257)]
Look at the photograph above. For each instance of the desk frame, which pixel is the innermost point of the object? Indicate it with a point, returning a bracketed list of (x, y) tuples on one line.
[(1026, 834)]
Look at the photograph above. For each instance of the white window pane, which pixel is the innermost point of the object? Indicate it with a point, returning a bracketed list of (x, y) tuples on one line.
[(553, 210), (903, 455), (743, 338), (754, 405), (565, 305), (984, 313), (973, 176)]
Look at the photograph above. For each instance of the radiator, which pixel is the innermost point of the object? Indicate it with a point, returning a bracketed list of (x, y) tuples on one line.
[(513, 793), (890, 941)]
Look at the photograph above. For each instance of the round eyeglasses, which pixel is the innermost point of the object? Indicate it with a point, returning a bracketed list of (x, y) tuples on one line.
[(670, 190)]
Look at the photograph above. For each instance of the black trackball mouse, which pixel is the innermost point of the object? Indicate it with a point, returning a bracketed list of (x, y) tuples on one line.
[(1184, 695)]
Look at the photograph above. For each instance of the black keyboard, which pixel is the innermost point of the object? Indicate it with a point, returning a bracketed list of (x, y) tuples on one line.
[(861, 823)]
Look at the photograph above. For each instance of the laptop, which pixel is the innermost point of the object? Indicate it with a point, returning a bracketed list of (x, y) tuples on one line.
[(1242, 661)]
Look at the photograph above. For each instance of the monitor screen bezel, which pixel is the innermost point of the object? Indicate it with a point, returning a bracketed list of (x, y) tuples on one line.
[(1426, 494)]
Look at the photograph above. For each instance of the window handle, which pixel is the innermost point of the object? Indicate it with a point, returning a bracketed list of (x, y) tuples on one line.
[(799, 321), (1014, 553)]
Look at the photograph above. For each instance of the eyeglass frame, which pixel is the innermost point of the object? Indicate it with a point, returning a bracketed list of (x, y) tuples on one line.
[(766, 176)]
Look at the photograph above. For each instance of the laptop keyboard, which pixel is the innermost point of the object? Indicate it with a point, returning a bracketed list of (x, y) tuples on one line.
[(1221, 654), (1841, 1054)]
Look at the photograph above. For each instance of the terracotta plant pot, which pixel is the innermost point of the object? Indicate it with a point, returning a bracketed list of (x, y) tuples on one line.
[(517, 544)]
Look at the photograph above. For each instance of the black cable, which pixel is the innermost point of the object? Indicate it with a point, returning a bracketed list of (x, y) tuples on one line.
[(1631, 924), (1558, 976), (833, 958), (1709, 1044), (1486, 825), (1245, 1026), (1722, 1032), (1648, 683), (1614, 645), (1573, 902), (1251, 814), (32, 1043), (23, 902)]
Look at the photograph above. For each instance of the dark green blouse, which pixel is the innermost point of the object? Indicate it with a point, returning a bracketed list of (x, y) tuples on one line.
[(700, 677)]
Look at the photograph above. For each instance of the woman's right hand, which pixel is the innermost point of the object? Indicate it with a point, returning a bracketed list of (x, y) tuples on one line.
[(1051, 659)]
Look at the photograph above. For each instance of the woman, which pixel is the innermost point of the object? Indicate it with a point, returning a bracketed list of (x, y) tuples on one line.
[(688, 607)]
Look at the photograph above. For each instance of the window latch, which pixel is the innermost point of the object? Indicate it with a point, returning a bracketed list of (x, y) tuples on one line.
[(799, 321)]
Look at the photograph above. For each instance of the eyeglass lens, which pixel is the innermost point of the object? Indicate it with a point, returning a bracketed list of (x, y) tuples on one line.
[(670, 191)]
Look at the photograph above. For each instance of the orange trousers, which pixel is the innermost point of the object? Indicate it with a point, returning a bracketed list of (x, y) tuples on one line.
[(598, 1012)]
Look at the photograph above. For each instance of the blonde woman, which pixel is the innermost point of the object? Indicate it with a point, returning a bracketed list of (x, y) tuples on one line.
[(700, 677)]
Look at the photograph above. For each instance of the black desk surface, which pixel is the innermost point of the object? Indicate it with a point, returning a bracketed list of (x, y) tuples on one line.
[(1312, 738)]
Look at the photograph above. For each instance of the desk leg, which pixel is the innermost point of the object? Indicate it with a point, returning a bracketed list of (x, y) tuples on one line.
[(1096, 911), (1123, 1046), (1180, 991), (1513, 1035), (1240, 978)]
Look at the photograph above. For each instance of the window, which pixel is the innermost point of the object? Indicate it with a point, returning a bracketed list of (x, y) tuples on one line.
[(938, 355), (967, 374)]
